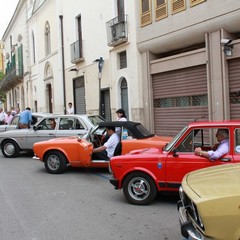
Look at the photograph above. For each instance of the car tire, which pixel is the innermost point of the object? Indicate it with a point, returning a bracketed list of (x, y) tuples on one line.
[(55, 162), (10, 149), (139, 188)]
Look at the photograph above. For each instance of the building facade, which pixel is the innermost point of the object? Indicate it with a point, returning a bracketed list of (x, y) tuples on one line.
[(166, 62), (69, 55), (186, 72)]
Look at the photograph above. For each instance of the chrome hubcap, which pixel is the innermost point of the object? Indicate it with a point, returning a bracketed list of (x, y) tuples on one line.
[(138, 188)]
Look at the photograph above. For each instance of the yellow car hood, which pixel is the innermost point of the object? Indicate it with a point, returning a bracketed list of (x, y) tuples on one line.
[(214, 182)]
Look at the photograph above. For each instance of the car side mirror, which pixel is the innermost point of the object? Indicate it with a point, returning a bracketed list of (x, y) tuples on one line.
[(175, 152)]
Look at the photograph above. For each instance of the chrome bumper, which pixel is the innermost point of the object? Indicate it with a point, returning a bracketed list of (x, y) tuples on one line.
[(187, 228)]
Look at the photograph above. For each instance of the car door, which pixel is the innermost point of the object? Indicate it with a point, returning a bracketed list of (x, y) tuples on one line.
[(182, 159), (70, 126), (236, 145), (41, 131)]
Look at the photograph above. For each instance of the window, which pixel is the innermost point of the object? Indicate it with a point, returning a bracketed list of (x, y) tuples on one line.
[(237, 140), (178, 6), (235, 97), (79, 25), (184, 101), (120, 9), (47, 39), (195, 2), (122, 60), (160, 9), (46, 124), (33, 48), (70, 124), (197, 138), (146, 15)]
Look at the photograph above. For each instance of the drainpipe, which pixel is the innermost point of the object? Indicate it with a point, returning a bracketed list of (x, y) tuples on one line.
[(63, 64)]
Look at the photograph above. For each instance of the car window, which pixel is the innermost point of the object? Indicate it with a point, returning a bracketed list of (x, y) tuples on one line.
[(95, 120), (172, 143), (126, 134), (78, 124), (46, 124), (143, 130), (204, 138), (237, 140), (67, 123)]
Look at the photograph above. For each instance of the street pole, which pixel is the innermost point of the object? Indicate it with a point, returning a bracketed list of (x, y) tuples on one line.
[(99, 81)]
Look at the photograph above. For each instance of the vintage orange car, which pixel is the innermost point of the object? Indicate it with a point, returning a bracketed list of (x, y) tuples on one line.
[(75, 151)]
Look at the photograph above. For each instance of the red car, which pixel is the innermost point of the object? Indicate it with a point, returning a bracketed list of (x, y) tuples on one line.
[(143, 173)]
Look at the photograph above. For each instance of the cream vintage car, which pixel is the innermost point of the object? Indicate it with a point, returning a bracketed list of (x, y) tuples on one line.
[(210, 203)]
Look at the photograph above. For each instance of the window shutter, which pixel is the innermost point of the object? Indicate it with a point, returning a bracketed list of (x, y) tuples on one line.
[(146, 15), (178, 5), (195, 2), (161, 10)]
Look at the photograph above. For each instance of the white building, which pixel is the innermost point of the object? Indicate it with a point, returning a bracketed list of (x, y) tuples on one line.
[(60, 45)]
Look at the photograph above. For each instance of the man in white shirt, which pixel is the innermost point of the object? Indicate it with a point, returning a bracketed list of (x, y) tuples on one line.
[(106, 151), (70, 109)]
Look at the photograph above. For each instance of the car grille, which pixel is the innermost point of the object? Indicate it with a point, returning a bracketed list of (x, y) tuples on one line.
[(191, 209)]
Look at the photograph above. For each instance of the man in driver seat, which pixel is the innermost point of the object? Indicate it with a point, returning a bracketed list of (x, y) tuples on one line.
[(218, 150), (106, 151)]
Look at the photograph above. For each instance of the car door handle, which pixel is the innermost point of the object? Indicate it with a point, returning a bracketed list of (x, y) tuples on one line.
[(51, 134), (226, 159)]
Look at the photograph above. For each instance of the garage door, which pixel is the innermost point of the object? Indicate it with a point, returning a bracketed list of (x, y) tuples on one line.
[(179, 97), (79, 95), (234, 88)]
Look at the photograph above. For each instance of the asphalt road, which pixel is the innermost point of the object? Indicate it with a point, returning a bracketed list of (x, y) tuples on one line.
[(80, 204)]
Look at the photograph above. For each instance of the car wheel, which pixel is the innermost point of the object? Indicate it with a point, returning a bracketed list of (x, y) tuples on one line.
[(10, 149), (139, 188), (55, 162)]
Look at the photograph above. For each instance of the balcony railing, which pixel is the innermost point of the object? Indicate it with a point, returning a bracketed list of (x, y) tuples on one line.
[(117, 31), (76, 52), (14, 71), (12, 78)]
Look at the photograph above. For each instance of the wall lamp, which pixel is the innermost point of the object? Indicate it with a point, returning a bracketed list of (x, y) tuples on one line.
[(227, 46)]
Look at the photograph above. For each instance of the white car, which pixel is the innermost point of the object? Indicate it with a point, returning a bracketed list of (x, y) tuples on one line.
[(14, 123), (14, 141)]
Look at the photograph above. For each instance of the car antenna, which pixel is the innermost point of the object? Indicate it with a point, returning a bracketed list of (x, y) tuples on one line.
[(203, 116)]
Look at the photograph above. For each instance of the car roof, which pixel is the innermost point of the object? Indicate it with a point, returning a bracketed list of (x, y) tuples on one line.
[(127, 124), (226, 123), (132, 126)]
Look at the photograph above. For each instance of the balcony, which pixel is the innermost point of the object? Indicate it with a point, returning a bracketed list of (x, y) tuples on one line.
[(14, 71), (12, 78), (76, 52), (117, 31)]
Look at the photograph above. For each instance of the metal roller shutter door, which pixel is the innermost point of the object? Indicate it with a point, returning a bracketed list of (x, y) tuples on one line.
[(79, 96), (234, 88), (184, 93)]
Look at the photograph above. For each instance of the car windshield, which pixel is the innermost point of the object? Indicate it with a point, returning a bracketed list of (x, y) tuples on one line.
[(172, 143), (95, 120)]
